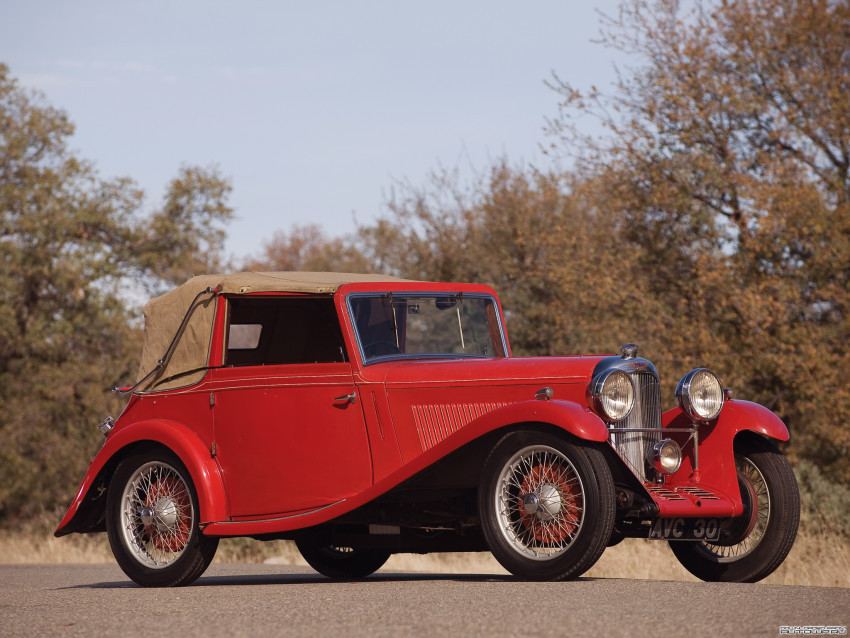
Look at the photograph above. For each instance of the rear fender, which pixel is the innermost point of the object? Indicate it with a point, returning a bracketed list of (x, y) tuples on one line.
[(87, 508)]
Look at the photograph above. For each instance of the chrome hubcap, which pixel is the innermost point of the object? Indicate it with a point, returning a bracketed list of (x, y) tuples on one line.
[(166, 514), (531, 503), (544, 502), (163, 514), (147, 514)]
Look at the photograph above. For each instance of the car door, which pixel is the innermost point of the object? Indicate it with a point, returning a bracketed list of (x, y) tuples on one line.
[(289, 431)]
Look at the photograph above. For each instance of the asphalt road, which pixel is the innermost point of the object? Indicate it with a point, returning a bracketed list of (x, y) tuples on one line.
[(274, 600)]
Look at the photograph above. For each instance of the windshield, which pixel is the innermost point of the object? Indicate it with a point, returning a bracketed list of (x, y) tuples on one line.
[(395, 325)]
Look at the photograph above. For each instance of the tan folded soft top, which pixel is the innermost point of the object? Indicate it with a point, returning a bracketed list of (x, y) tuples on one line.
[(188, 359)]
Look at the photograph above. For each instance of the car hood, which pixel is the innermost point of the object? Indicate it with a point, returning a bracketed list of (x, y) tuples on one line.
[(432, 400), (485, 372)]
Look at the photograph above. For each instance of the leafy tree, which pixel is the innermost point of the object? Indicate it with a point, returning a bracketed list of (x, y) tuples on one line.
[(185, 236), (537, 238), (309, 248), (728, 154), (70, 243)]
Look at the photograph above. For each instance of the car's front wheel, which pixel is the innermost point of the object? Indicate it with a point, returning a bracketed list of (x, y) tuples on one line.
[(546, 505), (152, 522), (754, 544), (341, 562)]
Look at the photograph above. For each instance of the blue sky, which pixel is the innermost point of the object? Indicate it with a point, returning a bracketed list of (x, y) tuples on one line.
[(312, 110)]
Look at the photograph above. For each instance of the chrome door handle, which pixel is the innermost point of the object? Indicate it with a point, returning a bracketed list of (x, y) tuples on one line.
[(351, 397)]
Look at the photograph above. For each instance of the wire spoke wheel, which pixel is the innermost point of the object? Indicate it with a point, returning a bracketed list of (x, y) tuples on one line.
[(152, 521), (546, 505), (540, 502), (754, 544), (156, 515)]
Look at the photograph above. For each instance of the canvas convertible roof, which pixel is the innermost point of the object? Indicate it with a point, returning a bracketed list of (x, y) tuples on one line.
[(186, 353)]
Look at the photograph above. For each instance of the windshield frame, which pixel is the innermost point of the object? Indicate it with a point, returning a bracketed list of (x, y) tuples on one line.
[(502, 349)]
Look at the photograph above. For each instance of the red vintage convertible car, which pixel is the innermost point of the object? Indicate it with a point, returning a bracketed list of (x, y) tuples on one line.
[(363, 415)]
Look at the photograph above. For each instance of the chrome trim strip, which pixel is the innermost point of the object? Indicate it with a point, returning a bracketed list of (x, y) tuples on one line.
[(276, 518), (616, 429)]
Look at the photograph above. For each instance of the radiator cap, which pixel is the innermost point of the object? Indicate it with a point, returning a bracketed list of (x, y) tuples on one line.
[(629, 351)]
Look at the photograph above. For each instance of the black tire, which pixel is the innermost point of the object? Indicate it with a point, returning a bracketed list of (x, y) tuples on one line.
[(152, 522), (341, 562), (754, 544), (546, 504)]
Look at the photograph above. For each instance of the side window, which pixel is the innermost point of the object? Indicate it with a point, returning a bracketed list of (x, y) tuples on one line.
[(280, 330)]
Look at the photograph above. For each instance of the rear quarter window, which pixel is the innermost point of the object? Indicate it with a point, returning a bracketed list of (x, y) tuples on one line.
[(283, 330)]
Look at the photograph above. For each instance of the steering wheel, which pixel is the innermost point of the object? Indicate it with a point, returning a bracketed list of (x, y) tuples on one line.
[(378, 348)]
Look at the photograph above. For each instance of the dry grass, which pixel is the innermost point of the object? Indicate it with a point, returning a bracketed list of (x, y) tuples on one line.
[(40, 547), (816, 560)]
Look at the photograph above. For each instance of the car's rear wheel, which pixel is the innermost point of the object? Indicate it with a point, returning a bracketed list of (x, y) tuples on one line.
[(754, 544), (546, 505), (341, 562), (152, 522)]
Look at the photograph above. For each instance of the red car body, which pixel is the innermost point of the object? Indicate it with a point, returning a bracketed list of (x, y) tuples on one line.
[(365, 453)]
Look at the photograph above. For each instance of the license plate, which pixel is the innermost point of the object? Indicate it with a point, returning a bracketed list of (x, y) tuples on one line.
[(685, 529)]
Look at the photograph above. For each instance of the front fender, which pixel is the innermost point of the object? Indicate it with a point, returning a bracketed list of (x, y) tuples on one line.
[(716, 443), (736, 416), (87, 507), (575, 419)]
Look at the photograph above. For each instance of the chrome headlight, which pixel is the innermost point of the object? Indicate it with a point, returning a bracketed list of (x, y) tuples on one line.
[(665, 456), (613, 395), (700, 394)]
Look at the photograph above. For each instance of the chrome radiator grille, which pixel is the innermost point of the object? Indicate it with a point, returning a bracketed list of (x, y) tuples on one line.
[(632, 446)]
